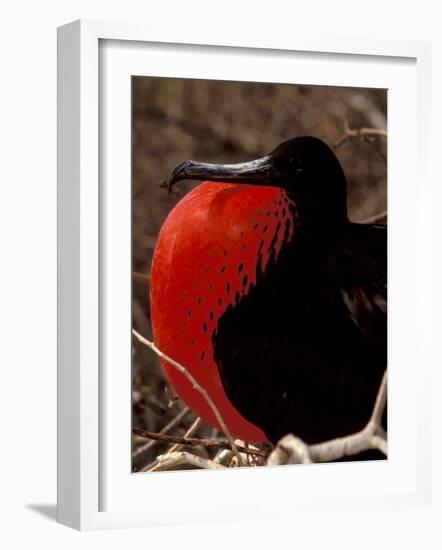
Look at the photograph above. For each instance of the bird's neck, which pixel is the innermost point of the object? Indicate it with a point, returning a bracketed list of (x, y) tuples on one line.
[(317, 215)]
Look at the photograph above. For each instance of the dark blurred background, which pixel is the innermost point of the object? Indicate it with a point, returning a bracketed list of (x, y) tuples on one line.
[(216, 121)]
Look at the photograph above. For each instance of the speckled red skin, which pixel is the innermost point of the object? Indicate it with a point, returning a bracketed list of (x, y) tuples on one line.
[(195, 276)]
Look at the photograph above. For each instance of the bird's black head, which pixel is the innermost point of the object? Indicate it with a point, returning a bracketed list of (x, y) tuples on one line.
[(305, 167)]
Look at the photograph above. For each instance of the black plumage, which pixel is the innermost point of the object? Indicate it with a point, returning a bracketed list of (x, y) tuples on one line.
[(305, 350)]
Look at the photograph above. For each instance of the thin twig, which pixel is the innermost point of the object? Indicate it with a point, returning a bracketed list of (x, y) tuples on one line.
[(195, 441), (381, 400), (365, 134), (190, 432), (197, 387), (143, 449), (350, 133)]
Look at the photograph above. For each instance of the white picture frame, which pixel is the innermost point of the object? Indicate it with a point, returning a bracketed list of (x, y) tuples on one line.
[(90, 459)]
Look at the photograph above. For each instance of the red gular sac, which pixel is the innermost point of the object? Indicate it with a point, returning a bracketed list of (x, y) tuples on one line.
[(208, 254)]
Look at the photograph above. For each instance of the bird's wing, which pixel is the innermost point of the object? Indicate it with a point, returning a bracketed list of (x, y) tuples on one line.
[(357, 264)]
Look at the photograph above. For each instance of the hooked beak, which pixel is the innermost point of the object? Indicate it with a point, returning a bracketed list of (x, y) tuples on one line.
[(259, 172)]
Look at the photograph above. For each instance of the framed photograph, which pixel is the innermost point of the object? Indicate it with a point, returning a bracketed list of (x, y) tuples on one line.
[(224, 273)]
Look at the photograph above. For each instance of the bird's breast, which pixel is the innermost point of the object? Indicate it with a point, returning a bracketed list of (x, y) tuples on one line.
[(210, 253)]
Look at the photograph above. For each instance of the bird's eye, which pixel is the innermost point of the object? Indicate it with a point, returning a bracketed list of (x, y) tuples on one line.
[(289, 164), (296, 165)]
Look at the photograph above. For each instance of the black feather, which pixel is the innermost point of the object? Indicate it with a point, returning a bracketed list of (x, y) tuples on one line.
[(304, 352)]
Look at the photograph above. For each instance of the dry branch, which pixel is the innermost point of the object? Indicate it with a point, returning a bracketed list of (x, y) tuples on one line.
[(365, 134), (197, 387), (195, 441), (223, 457), (292, 450), (381, 401), (351, 133)]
